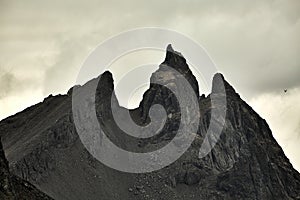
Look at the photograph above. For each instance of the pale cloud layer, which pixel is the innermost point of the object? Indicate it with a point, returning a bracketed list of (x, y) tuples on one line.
[(256, 45), (282, 114)]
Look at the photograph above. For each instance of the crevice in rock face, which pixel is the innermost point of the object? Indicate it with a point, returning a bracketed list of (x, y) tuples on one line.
[(253, 182)]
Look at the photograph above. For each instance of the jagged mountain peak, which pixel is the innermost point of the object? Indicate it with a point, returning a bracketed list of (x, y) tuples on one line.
[(221, 85), (175, 59), (106, 81), (167, 76), (170, 48), (108, 77)]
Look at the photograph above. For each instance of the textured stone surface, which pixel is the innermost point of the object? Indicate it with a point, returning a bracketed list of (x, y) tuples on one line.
[(43, 147), (14, 188)]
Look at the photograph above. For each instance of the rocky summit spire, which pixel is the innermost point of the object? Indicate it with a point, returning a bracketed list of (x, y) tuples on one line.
[(105, 95), (170, 48), (106, 82), (220, 85), (158, 94), (175, 59)]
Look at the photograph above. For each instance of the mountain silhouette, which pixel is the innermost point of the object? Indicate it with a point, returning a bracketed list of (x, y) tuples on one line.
[(42, 146)]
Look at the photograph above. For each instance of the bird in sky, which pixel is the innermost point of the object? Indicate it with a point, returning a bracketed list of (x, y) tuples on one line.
[(285, 90)]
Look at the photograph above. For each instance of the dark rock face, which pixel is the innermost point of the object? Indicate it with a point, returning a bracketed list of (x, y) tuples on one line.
[(6, 189), (43, 147), (158, 94), (14, 188)]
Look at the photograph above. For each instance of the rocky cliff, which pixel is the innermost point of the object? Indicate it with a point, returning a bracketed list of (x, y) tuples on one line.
[(13, 187), (42, 146)]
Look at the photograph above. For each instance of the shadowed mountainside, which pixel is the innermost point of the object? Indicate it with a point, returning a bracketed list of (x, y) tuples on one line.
[(13, 187)]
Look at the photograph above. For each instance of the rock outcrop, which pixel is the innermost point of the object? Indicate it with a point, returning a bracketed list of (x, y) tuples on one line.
[(14, 188)]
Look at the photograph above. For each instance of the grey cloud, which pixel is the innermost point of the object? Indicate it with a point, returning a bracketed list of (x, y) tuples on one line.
[(254, 43), (7, 83), (11, 84)]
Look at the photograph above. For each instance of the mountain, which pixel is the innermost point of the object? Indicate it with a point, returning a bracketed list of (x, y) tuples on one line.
[(42, 146)]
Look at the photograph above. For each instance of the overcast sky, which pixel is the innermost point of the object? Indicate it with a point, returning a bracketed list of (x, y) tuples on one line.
[(255, 44)]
